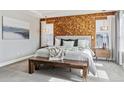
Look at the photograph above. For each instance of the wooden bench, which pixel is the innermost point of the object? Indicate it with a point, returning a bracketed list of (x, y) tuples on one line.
[(34, 63)]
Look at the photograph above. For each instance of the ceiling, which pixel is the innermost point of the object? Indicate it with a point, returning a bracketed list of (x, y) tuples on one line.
[(56, 13)]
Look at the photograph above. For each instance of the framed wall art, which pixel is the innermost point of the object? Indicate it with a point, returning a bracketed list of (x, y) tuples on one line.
[(14, 29)]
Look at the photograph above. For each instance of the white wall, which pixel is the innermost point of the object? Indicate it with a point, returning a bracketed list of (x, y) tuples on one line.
[(122, 32), (13, 49)]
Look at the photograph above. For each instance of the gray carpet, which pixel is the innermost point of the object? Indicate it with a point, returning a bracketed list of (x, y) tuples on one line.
[(18, 72)]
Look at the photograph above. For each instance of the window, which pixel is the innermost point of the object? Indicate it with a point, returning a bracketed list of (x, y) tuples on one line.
[(103, 33), (102, 40), (46, 34)]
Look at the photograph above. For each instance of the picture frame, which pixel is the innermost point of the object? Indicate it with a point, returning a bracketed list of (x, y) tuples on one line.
[(14, 29)]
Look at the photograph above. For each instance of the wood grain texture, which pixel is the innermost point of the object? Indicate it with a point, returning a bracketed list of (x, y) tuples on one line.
[(77, 25), (34, 61)]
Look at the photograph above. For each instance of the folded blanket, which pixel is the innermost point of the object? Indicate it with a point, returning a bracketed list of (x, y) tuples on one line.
[(56, 53)]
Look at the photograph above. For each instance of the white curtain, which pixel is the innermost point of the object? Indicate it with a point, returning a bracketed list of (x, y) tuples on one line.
[(121, 52), (113, 41), (118, 37), (117, 31)]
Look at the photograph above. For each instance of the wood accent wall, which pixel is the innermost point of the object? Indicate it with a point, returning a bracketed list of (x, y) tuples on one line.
[(77, 25)]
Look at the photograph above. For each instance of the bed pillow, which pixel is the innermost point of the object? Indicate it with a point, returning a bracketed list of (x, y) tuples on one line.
[(83, 43), (68, 43), (75, 41), (57, 42), (56, 53)]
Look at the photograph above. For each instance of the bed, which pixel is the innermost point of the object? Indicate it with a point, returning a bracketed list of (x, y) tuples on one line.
[(72, 51)]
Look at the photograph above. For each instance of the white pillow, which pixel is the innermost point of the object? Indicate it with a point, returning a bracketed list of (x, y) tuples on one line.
[(83, 43), (57, 42), (68, 43)]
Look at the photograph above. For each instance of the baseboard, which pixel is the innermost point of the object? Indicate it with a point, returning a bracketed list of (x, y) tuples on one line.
[(14, 61)]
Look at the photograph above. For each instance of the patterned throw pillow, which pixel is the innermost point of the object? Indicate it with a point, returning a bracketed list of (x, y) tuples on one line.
[(56, 53)]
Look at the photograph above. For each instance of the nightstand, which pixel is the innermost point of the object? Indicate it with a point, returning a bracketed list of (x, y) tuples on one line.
[(102, 53)]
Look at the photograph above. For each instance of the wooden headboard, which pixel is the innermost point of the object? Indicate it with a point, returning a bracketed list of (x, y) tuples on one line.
[(76, 37)]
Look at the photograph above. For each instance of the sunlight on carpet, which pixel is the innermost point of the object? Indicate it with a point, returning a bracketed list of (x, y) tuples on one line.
[(102, 74), (99, 65), (58, 80)]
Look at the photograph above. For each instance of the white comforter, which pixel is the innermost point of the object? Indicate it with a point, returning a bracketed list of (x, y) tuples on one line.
[(73, 54)]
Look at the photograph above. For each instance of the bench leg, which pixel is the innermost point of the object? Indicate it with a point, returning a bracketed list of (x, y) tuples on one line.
[(85, 72), (69, 69), (31, 67), (37, 66)]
